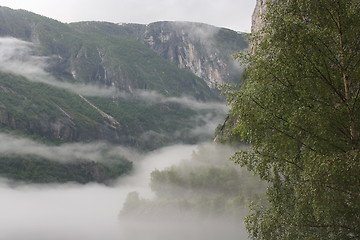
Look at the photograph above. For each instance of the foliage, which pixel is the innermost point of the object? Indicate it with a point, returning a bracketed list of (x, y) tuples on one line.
[(299, 108), (34, 107), (34, 169), (37, 110)]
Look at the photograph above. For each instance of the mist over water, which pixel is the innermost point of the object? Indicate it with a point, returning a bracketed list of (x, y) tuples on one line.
[(91, 212), (72, 211), (58, 212)]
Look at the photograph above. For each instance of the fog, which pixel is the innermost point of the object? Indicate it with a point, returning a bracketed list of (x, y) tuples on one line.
[(17, 57), (95, 151), (182, 211), (58, 212), (73, 211), (187, 101)]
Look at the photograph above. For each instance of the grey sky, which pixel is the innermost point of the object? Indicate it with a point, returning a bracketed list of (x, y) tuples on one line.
[(233, 14)]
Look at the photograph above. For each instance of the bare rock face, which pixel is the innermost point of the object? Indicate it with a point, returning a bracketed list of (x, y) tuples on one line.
[(199, 48), (257, 18), (260, 10)]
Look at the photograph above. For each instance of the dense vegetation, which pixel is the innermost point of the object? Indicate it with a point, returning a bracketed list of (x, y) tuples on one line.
[(34, 169), (145, 110), (299, 108), (206, 185), (56, 115), (105, 55), (32, 107)]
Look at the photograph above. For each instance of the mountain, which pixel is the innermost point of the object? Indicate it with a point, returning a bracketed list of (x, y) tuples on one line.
[(83, 55), (142, 86), (201, 49)]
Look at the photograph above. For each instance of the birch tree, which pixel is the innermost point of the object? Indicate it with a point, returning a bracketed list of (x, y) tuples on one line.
[(299, 108)]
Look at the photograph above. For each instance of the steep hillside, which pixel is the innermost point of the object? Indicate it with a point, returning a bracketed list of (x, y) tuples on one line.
[(111, 66), (90, 57), (45, 112), (94, 81), (201, 49)]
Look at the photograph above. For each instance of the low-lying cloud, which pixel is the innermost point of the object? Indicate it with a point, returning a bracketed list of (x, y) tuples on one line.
[(187, 101), (63, 153), (58, 212), (17, 57), (175, 212), (72, 211)]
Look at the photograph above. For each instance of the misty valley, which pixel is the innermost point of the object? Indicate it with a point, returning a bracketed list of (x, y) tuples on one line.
[(178, 130), (189, 191), (107, 131)]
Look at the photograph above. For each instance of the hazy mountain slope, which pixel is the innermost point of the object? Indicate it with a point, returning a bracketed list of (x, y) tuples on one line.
[(89, 57), (87, 82), (42, 111), (79, 55), (201, 49), (128, 64), (47, 112)]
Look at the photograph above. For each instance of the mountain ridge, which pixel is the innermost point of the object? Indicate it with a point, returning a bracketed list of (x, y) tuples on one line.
[(199, 48), (97, 81)]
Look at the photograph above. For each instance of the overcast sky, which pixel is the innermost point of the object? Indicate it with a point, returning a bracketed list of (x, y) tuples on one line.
[(233, 14)]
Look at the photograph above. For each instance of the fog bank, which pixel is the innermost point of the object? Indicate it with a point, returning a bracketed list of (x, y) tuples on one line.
[(69, 152), (72, 212), (17, 57)]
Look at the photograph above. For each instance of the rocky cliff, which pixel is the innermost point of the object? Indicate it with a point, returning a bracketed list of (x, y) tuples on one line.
[(259, 11), (198, 48), (143, 86), (223, 132), (122, 83)]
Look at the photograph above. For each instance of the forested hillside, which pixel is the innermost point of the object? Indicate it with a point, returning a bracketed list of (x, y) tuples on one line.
[(94, 81)]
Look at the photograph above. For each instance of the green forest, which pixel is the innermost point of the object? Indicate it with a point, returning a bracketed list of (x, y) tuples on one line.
[(299, 109)]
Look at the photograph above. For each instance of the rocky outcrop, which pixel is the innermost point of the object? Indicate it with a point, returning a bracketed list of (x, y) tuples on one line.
[(259, 11), (223, 132), (199, 48)]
